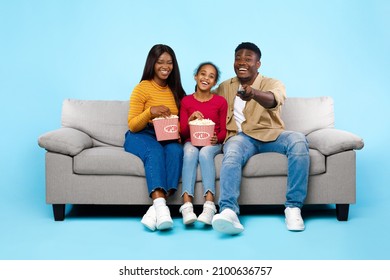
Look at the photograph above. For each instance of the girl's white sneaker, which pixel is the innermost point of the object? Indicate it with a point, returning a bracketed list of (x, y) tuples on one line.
[(208, 213), (187, 210)]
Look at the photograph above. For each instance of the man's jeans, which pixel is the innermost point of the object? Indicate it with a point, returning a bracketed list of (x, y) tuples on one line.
[(163, 160), (239, 148), (205, 157)]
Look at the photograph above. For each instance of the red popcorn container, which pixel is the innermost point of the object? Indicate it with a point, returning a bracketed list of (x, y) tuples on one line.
[(201, 133), (166, 128)]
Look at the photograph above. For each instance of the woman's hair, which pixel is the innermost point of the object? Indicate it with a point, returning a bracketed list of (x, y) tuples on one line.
[(173, 81), (217, 75)]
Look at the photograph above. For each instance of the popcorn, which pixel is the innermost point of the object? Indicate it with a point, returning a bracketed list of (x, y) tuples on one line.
[(201, 122), (170, 117)]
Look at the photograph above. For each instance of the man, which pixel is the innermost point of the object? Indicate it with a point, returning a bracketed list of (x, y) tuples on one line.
[(254, 125)]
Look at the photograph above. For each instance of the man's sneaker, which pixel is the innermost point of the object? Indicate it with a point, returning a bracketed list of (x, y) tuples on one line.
[(187, 210), (294, 221), (227, 222), (208, 213), (163, 217), (149, 220)]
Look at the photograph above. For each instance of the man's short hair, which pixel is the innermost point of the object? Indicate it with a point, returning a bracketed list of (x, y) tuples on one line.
[(249, 46)]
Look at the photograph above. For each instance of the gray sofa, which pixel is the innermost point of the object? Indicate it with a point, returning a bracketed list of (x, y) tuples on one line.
[(86, 164)]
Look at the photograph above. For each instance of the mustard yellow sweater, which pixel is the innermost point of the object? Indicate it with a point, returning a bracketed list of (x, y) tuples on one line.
[(145, 95)]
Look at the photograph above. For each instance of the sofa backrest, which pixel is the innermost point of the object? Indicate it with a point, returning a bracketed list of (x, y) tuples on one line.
[(308, 114), (105, 121)]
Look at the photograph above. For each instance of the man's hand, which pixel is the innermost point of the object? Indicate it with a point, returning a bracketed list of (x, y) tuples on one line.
[(264, 98), (248, 93)]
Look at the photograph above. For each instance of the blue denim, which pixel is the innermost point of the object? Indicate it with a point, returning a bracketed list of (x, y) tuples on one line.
[(205, 157), (163, 161), (239, 148)]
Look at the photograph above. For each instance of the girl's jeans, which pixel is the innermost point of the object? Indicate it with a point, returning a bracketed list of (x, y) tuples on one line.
[(163, 161), (205, 157), (239, 148)]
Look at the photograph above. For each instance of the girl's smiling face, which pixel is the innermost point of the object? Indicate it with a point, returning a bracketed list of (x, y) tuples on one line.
[(206, 78)]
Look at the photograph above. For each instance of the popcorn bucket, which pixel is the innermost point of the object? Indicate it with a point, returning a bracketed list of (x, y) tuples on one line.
[(201, 134), (166, 128)]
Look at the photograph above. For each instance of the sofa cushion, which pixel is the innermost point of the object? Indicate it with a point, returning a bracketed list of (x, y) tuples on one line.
[(275, 164), (308, 114), (108, 161), (105, 121), (65, 140), (116, 161), (330, 141)]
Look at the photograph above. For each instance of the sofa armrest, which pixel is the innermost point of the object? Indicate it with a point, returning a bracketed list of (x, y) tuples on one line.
[(65, 140), (331, 141)]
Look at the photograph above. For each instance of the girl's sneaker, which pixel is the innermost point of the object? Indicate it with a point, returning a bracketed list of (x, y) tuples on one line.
[(187, 210), (208, 213)]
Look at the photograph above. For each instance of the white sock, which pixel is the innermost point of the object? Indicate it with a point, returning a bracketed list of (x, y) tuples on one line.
[(159, 202), (209, 202)]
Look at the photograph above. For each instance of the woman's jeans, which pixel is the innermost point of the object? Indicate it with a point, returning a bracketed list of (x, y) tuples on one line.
[(205, 157), (163, 161), (239, 148)]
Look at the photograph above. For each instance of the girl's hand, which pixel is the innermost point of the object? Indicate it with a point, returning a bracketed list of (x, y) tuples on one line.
[(196, 115), (214, 139), (160, 111)]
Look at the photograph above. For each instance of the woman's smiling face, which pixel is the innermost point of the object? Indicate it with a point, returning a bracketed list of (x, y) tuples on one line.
[(162, 68)]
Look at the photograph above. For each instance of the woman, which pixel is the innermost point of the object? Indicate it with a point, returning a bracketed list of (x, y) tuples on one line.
[(157, 95), (203, 104)]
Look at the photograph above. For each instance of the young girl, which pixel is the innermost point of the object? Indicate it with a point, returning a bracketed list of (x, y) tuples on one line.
[(157, 95), (201, 105)]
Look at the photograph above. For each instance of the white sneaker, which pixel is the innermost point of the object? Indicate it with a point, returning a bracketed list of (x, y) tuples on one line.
[(149, 220), (227, 222), (208, 213), (187, 210), (294, 221), (163, 217)]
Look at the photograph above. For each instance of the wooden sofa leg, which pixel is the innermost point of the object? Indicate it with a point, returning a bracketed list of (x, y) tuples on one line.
[(342, 211), (59, 212)]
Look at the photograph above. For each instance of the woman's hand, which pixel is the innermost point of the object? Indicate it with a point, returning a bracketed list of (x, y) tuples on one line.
[(160, 111), (196, 115)]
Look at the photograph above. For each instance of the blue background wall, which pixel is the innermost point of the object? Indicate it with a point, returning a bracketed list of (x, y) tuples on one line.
[(52, 50)]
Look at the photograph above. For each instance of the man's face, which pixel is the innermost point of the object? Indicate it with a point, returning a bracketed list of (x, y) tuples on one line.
[(246, 65)]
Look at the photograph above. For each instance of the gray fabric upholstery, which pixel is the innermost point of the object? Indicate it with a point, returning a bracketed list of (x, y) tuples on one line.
[(108, 161), (116, 161), (308, 114), (63, 186), (67, 141), (331, 141), (101, 120), (86, 163)]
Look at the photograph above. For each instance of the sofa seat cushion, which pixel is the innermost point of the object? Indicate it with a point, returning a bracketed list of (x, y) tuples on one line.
[(107, 160), (275, 164), (115, 161)]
